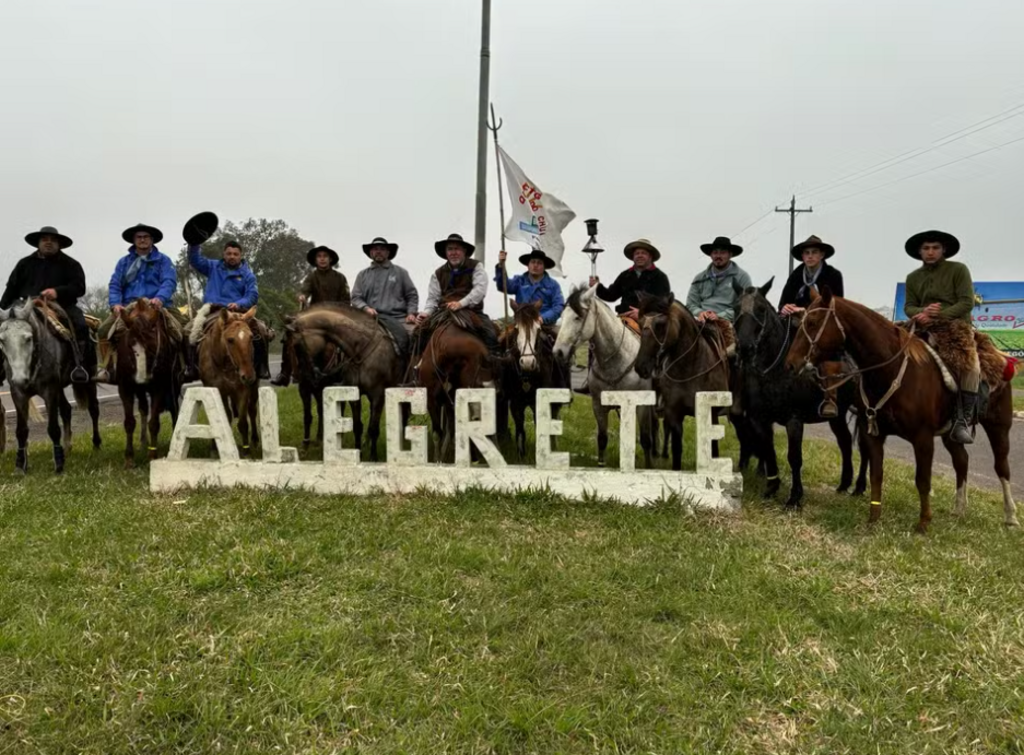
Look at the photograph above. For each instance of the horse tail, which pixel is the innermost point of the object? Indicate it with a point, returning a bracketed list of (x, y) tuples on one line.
[(33, 412), (82, 395)]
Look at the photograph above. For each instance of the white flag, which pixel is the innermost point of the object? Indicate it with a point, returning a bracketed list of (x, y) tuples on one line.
[(537, 218)]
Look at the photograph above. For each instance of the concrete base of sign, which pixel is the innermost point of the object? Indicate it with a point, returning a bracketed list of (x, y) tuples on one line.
[(719, 492)]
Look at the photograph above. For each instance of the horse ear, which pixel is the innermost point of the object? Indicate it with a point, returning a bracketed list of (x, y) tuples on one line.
[(589, 294), (515, 306), (225, 314), (250, 314), (767, 286), (814, 294), (826, 295), (671, 298), (22, 312), (538, 304)]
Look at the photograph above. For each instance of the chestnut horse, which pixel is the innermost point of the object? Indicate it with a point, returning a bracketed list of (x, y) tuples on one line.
[(148, 371), (904, 393), (226, 363)]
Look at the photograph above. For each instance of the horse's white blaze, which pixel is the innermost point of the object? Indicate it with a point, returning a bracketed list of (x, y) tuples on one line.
[(526, 342), (1009, 507), (141, 374)]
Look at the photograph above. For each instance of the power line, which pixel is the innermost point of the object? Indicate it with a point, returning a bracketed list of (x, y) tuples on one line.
[(752, 223), (955, 136), (921, 173)]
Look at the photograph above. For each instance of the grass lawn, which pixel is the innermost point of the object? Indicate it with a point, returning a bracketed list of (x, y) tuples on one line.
[(255, 622)]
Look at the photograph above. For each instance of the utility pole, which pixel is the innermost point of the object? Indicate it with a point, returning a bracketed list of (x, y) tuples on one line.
[(482, 129), (792, 210)]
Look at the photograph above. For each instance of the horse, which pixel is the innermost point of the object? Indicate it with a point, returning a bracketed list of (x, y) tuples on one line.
[(674, 345), (226, 363), (531, 364), (770, 394), (338, 345), (149, 372), (904, 393), (39, 363), (586, 319), (454, 357)]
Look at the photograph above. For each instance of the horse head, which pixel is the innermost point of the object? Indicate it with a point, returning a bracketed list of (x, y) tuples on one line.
[(577, 326), (754, 315), (820, 335), (527, 326), (144, 337), (236, 341), (655, 332), (18, 343)]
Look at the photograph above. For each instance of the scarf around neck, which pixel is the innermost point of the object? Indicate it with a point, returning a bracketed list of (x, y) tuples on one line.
[(809, 282)]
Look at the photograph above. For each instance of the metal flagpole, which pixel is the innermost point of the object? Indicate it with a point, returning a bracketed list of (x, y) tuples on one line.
[(481, 141), (497, 124)]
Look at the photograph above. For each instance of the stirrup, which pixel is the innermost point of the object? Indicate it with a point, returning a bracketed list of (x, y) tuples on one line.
[(80, 375), (828, 409), (961, 426)]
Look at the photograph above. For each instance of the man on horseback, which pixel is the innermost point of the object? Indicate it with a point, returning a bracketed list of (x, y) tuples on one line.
[(144, 272), (231, 285), (810, 276), (534, 285), (386, 291), (713, 291), (940, 297), (52, 275), (460, 283), (642, 278), (323, 285)]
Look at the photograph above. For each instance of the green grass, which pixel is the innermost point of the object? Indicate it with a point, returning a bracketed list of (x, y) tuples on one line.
[(234, 621)]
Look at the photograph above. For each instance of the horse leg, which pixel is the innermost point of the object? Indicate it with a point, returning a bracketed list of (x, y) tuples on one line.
[(961, 461), (65, 418), (502, 407), (519, 418), (243, 421), (876, 453), (665, 439), (155, 408), (999, 438), (675, 430), (254, 425), (648, 434), (865, 454), (845, 441), (601, 415), (144, 401), (795, 455), (128, 406), (307, 413), (373, 431), (924, 451), (52, 401), (320, 415), (94, 416), (21, 431), (357, 423), (760, 439)]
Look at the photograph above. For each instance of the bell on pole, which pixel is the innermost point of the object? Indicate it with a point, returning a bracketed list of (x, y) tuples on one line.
[(593, 247)]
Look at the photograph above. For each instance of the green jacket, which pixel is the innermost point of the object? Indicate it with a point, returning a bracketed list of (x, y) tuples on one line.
[(946, 282)]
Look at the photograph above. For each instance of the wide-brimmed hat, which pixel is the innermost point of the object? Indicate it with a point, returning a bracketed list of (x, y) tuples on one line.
[(381, 241), (311, 255), (440, 246), (722, 242), (200, 228), (48, 230), (813, 241), (536, 254), (129, 233), (950, 243), (632, 246)]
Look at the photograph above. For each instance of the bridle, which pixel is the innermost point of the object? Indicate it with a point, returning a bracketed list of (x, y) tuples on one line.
[(660, 356), (762, 324)]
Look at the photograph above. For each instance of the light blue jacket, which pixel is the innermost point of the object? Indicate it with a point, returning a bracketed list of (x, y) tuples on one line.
[(225, 285)]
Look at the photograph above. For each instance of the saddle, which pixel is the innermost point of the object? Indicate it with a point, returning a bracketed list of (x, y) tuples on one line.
[(56, 319), (721, 336), (631, 324), (949, 344)]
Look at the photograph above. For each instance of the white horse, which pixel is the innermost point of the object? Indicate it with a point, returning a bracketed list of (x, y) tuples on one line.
[(586, 319)]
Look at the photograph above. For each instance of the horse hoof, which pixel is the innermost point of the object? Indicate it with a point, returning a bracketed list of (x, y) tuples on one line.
[(795, 504), (858, 492), (129, 463), (600, 463), (152, 455), (58, 470), (921, 529), (1011, 524), (843, 488)]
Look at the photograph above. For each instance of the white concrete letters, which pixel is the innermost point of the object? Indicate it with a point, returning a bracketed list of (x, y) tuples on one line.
[(475, 431), (217, 429), (335, 398), (270, 430), (627, 401), (708, 431), (416, 398), (548, 428)]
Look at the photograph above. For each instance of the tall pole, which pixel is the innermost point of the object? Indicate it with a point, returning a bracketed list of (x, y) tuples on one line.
[(792, 210), (481, 138), (501, 204)]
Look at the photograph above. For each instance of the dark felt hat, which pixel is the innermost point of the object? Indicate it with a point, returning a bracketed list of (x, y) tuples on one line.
[(536, 254), (129, 233), (632, 246), (200, 228), (47, 230), (381, 241), (950, 243), (813, 242), (311, 255), (440, 246), (722, 242)]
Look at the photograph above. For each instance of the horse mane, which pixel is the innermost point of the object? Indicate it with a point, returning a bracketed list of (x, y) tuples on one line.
[(526, 313), (327, 314), (902, 338), (573, 302)]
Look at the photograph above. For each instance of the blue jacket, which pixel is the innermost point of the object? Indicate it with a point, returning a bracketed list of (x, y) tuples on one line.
[(546, 291), (156, 280), (224, 285)]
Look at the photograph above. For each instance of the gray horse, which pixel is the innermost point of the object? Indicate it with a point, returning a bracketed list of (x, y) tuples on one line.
[(39, 363)]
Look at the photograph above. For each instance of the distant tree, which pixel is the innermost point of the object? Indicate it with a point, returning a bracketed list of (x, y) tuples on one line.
[(95, 302)]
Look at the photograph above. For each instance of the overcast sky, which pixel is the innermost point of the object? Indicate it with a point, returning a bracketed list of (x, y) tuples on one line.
[(667, 120)]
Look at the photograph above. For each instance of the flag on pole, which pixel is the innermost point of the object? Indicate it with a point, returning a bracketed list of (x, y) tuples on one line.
[(537, 218)]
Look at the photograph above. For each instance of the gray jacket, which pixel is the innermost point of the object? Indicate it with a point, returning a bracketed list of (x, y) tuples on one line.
[(387, 288), (716, 294)]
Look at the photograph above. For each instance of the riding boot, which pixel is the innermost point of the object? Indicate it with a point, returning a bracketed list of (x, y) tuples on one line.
[(107, 371), (261, 359), (961, 433), (284, 377), (80, 374)]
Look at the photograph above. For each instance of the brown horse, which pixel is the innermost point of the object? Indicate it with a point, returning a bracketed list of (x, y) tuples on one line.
[(226, 363), (674, 345), (338, 345), (903, 393), (148, 371), (454, 357)]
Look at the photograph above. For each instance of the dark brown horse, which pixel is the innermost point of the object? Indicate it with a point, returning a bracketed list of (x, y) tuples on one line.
[(454, 357), (338, 345), (148, 371), (905, 395), (226, 363), (530, 365), (685, 357)]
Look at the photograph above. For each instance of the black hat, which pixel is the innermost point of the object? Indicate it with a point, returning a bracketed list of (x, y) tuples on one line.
[(439, 246), (311, 255), (642, 244), (812, 242), (537, 254), (381, 241), (129, 233), (950, 243), (722, 242), (48, 230), (199, 228)]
